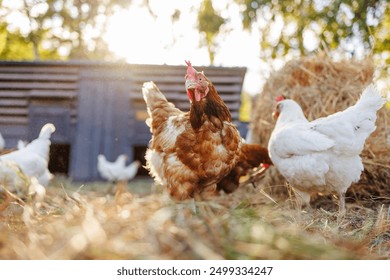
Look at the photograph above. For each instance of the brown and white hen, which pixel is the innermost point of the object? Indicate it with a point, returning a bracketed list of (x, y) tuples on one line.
[(199, 152), (190, 152)]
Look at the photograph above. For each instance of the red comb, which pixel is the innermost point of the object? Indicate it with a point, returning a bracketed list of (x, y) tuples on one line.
[(190, 70), (280, 98)]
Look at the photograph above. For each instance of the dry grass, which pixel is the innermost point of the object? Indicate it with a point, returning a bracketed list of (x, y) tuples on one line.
[(91, 223)]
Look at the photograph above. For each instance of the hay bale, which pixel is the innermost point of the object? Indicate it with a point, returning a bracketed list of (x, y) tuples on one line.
[(322, 87)]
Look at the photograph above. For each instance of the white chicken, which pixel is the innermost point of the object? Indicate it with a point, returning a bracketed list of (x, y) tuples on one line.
[(107, 169), (117, 170), (323, 155), (32, 159)]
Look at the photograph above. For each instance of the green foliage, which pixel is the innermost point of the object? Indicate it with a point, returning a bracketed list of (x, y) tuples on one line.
[(333, 22), (13, 46), (209, 23), (74, 26), (382, 42)]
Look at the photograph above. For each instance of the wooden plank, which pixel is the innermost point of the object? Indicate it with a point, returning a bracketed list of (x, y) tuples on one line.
[(231, 97), (36, 68), (38, 77), (45, 93), (136, 69), (103, 74), (13, 93), (186, 105), (176, 79), (13, 120), (181, 70), (55, 102), (166, 88), (233, 106), (142, 115), (37, 85), (14, 102), (174, 97), (13, 111)]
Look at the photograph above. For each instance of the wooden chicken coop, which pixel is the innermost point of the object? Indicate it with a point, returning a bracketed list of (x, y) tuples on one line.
[(97, 108)]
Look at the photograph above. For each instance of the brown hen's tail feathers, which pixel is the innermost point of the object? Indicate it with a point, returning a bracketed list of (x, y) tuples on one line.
[(158, 107), (152, 94), (254, 155), (251, 156)]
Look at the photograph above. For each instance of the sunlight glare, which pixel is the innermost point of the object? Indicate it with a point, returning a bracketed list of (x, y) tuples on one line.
[(130, 39), (135, 35), (157, 40)]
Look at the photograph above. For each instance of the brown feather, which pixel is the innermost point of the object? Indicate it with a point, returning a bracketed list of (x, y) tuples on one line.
[(210, 108), (251, 156)]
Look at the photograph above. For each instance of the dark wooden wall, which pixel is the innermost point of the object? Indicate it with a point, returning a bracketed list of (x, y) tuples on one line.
[(96, 107), (32, 95)]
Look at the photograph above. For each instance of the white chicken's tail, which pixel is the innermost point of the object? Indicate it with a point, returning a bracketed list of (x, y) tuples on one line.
[(364, 113), (47, 130), (370, 100)]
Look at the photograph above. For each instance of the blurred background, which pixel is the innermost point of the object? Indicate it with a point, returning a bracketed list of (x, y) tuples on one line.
[(80, 64), (258, 34), (255, 36)]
